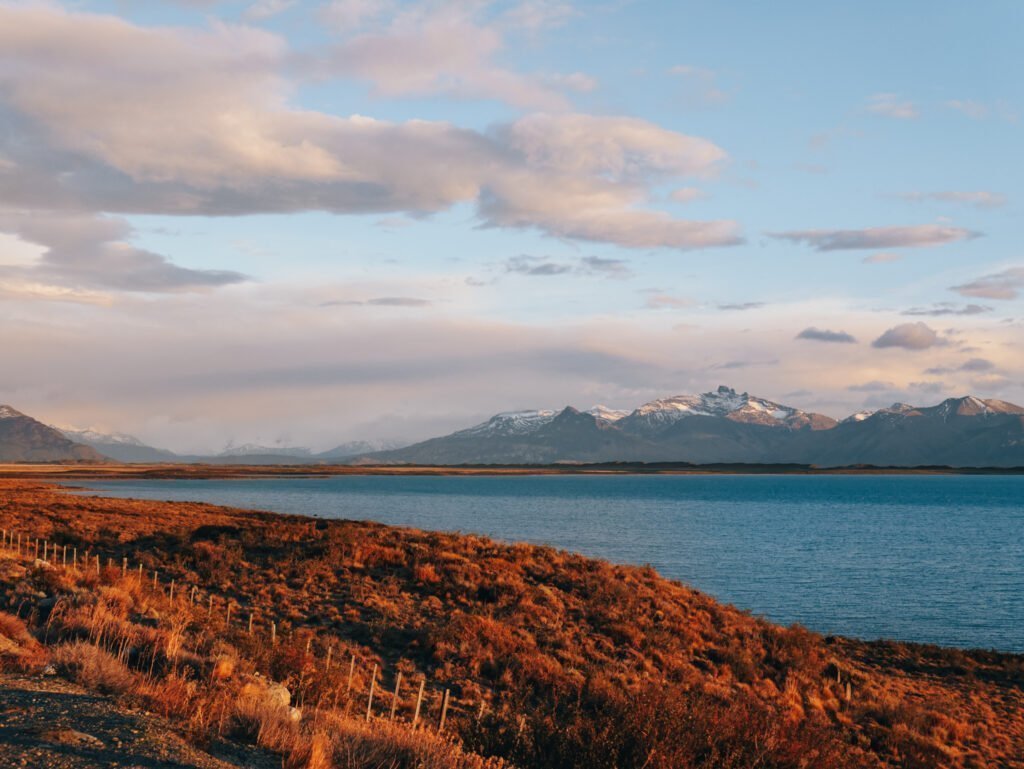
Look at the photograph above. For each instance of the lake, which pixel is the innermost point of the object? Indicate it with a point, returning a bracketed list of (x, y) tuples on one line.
[(937, 559)]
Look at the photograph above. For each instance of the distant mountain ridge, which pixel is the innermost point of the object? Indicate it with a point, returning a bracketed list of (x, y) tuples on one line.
[(24, 439), (724, 426)]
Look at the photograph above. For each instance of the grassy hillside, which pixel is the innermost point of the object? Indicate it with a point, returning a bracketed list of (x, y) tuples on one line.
[(550, 659)]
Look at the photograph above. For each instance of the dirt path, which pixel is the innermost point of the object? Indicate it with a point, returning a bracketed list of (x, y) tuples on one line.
[(52, 724)]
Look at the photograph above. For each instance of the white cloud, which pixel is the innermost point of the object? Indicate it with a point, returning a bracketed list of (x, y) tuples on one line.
[(891, 105), (102, 115)]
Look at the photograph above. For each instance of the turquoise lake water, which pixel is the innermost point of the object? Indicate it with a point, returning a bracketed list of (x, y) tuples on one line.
[(937, 559)]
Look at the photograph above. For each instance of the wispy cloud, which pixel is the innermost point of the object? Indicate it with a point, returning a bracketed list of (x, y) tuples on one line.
[(973, 365), (381, 301), (882, 257), (825, 335), (947, 308), (892, 105), (1001, 285), (741, 306), (587, 265), (915, 236), (977, 198)]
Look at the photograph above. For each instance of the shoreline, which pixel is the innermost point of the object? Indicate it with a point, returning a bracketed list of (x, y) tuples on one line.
[(171, 471)]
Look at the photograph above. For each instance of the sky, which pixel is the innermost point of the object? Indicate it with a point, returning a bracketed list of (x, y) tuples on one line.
[(305, 222)]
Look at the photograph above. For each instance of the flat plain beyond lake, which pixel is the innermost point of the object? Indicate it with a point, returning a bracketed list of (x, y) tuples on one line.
[(926, 558)]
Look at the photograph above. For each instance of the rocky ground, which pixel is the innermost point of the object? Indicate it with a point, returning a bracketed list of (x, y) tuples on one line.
[(48, 723)]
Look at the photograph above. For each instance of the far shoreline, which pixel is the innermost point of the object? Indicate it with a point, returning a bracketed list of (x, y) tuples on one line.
[(184, 471)]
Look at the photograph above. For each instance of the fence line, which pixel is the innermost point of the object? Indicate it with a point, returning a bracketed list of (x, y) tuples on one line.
[(26, 547)]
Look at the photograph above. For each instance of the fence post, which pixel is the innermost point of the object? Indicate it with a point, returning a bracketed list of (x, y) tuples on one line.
[(444, 712), (369, 701), (140, 573), (97, 566), (155, 572), (351, 672), (74, 557), (227, 620), (171, 596), (250, 623), (64, 557), (209, 612), (394, 699), (419, 703), (124, 567), (330, 653), (273, 633)]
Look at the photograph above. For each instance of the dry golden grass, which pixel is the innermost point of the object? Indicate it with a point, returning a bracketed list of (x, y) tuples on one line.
[(578, 663)]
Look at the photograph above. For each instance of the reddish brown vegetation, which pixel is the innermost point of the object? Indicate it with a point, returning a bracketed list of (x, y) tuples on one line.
[(579, 663)]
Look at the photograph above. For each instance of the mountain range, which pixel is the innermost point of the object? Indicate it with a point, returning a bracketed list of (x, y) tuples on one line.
[(722, 426), (729, 427)]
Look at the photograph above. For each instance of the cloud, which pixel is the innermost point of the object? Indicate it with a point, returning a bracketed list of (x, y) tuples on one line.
[(973, 365), (444, 49), (1003, 285), (916, 236), (98, 114), (535, 265), (668, 302), (909, 336), (882, 257), (947, 308), (972, 109), (383, 301), (83, 251), (742, 306), (824, 335), (891, 105), (612, 268), (688, 194), (978, 199), (265, 9), (588, 265), (873, 386)]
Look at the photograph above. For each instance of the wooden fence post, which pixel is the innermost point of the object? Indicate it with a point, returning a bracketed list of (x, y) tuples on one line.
[(419, 702), (124, 567), (250, 623), (330, 653), (273, 633), (64, 557), (369, 701), (74, 557), (227, 619), (394, 698), (97, 566), (171, 596), (155, 572), (444, 712), (140, 573), (209, 612), (351, 672)]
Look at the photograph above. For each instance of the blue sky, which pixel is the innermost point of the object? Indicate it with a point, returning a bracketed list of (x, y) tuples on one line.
[(323, 220)]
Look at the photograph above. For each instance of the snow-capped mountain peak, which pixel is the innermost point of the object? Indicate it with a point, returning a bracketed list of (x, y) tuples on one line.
[(6, 412), (512, 423), (89, 436), (726, 403), (605, 414)]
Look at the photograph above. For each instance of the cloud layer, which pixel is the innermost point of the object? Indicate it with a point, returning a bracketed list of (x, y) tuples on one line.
[(916, 236)]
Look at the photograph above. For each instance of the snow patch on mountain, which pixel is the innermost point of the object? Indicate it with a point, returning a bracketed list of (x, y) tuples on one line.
[(511, 423), (605, 414), (726, 403), (90, 436)]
